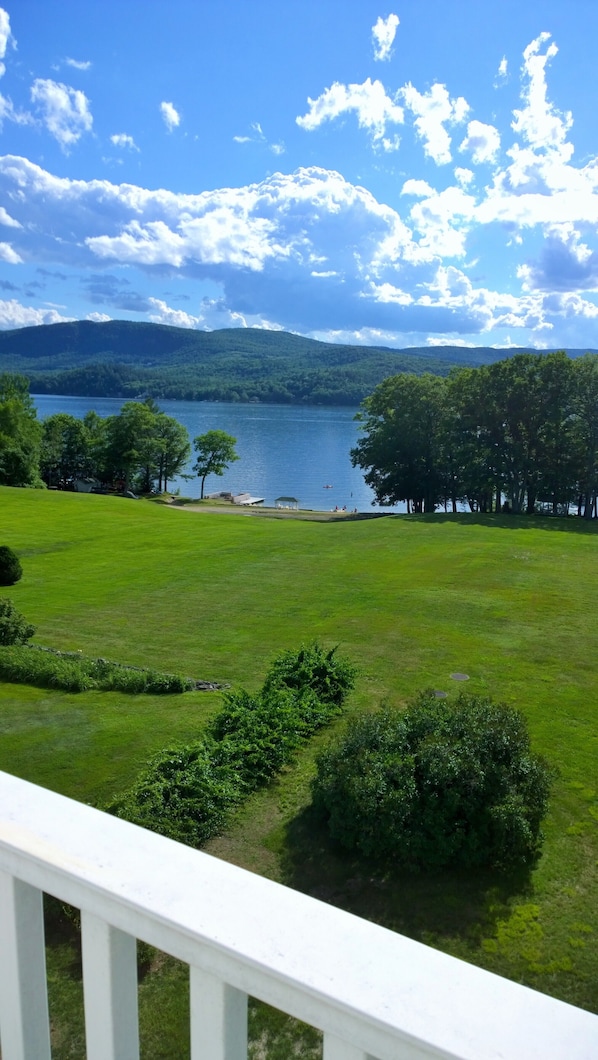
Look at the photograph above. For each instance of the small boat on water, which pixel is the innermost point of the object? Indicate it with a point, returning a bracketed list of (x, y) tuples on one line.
[(326, 487)]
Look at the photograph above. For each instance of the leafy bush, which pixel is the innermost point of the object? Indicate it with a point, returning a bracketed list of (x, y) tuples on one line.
[(10, 567), (443, 783), (14, 627), (73, 672), (259, 734), (184, 793), (312, 667), (24, 665), (188, 793)]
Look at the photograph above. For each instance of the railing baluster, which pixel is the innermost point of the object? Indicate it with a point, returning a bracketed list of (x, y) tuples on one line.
[(218, 1019), (24, 1022), (110, 991), (336, 1049)]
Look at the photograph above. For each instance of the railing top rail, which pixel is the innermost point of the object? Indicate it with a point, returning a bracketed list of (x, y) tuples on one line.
[(339, 972)]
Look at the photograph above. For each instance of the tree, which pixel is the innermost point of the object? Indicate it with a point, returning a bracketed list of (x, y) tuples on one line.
[(215, 450), (401, 452), (174, 448), (10, 566), (20, 433), (14, 627), (65, 450), (144, 446), (442, 783)]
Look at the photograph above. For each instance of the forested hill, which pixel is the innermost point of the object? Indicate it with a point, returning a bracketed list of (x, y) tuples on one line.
[(123, 358)]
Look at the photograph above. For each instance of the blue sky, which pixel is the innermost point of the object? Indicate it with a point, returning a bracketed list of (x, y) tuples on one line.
[(411, 175)]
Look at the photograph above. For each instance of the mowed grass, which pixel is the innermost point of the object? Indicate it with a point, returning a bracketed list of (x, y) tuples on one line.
[(510, 602)]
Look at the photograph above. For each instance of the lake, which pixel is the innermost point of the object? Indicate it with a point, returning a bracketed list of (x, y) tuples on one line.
[(284, 450)]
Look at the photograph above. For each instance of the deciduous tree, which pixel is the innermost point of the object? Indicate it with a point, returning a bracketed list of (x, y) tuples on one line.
[(215, 450)]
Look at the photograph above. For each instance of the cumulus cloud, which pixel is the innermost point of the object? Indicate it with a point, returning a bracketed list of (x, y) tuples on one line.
[(170, 115), (375, 110), (161, 313), (565, 263), (98, 318), (483, 141), (433, 110), (15, 315), (124, 140), (383, 35), (539, 122), (64, 110)]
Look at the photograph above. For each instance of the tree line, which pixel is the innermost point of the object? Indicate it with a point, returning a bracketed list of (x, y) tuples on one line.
[(519, 435), (140, 448)]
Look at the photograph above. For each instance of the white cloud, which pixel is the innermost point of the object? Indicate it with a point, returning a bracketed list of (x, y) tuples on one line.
[(98, 318), (482, 140), (171, 116), (419, 188), (383, 35), (463, 177), (434, 109), (564, 264), (502, 73), (6, 219), (257, 136), (375, 110), (124, 140), (5, 37), (65, 111), (9, 254), (538, 122), (176, 318), (15, 315), (78, 64)]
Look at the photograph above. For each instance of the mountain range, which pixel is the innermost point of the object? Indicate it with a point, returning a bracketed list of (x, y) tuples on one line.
[(122, 358)]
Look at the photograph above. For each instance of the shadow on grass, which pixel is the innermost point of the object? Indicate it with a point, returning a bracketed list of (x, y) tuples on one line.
[(564, 524), (423, 906)]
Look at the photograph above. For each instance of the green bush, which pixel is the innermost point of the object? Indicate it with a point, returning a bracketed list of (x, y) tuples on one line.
[(73, 672), (10, 567), (259, 734), (188, 793), (184, 793), (25, 665), (312, 667), (14, 627), (442, 783)]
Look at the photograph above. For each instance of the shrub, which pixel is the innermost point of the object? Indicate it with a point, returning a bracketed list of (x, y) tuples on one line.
[(25, 665), (10, 567), (259, 734), (14, 627), (311, 667), (188, 793), (184, 793), (74, 672), (443, 783)]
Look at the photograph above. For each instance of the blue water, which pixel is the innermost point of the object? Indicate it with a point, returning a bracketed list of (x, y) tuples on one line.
[(284, 450)]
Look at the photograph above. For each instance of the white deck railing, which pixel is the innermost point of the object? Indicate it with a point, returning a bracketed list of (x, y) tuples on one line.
[(373, 993)]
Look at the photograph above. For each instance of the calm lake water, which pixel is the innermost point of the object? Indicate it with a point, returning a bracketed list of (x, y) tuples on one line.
[(284, 450)]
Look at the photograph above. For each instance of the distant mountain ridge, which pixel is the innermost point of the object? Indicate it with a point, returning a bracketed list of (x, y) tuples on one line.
[(123, 358)]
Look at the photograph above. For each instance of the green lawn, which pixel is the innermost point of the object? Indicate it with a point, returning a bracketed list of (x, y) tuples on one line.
[(510, 602)]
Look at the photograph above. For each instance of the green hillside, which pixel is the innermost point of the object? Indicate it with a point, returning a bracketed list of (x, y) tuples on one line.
[(122, 358)]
